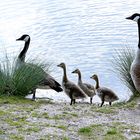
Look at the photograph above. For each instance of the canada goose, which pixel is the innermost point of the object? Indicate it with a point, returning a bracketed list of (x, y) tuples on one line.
[(48, 81), (22, 55), (87, 88), (104, 93), (71, 89), (135, 66)]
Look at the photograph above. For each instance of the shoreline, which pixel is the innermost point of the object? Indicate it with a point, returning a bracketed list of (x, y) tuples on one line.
[(47, 120), (62, 97)]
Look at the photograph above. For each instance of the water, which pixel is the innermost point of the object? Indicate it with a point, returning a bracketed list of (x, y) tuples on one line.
[(81, 33)]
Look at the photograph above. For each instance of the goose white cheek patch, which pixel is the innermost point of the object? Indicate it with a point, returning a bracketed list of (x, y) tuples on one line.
[(26, 38), (136, 18)]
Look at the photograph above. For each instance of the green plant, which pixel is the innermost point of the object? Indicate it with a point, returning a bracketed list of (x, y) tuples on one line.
[(121, 62), (22, 80), (105, 110), (16, 137), (85, 130), (65, 138), (27, 78), (62, 127), (112, 131)]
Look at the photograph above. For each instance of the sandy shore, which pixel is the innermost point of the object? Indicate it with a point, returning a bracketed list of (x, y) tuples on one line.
[(47, 120)]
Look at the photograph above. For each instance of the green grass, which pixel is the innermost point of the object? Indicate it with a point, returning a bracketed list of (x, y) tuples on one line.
[(21, 103), (70, 113), (32, 129), (45, 115), (129, 105), (27, 78), (137, 138), (106, 131), (62, 127), (16, 121), (122, 61), (94, 132), (115, 137), (123, 126), (2, 113), (105, 110), (65, 138), (35, 114), (21, 81), (112, 131), (57, 117), (2, 132), (85, 130), (16, 137)]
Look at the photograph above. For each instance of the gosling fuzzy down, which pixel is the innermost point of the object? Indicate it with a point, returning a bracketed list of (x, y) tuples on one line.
[(87, 88), (104, 93), (72, 90), (48, 81)]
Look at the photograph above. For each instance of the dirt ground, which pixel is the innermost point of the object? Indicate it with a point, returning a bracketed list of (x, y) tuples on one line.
[(23, 119)]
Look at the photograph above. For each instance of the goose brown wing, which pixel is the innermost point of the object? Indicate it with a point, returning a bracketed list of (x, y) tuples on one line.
[(108, 92), (51, 82), (75, 90), (89, 86)]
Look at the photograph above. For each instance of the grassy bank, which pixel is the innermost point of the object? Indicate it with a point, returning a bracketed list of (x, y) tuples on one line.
[(22, 119), (22, 80), (121, 64)]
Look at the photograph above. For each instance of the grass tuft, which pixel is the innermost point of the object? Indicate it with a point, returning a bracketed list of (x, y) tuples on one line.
[(85, 130), (21, 81), (105, 110), (112, 131), (121, 62)]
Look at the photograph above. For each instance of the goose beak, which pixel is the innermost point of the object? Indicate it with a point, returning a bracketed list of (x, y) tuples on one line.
[(73, 72), (18, 39), (58, 65), (128, 18)]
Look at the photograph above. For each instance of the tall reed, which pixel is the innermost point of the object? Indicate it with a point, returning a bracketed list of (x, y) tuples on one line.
[(21, 81), (121, 62)]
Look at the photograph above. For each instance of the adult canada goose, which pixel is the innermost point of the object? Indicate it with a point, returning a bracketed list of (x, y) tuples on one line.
[(135, 66), (71, 89), (104, 93), (22, 55), (87, 88), (48, 81)]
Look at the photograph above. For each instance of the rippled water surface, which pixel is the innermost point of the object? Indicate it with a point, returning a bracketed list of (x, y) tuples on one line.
[(81, 33)]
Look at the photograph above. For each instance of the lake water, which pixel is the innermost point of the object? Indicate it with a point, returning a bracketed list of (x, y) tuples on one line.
[(81, 33)]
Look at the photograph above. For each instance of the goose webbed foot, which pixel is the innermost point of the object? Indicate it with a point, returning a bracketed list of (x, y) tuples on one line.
[(74, 101), (102, 99), (102, 104), (71, 101), (33, 97), (91, 100)]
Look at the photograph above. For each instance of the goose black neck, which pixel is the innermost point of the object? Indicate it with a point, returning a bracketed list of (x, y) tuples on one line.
[(24, 51), (139, 34), (65, 79), (97, 83), (79, 76)]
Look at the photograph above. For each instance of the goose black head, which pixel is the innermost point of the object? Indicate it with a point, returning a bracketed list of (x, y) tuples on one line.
[(134, 17), (76, 71), (24, 37), (62, 65), (95, 77)]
